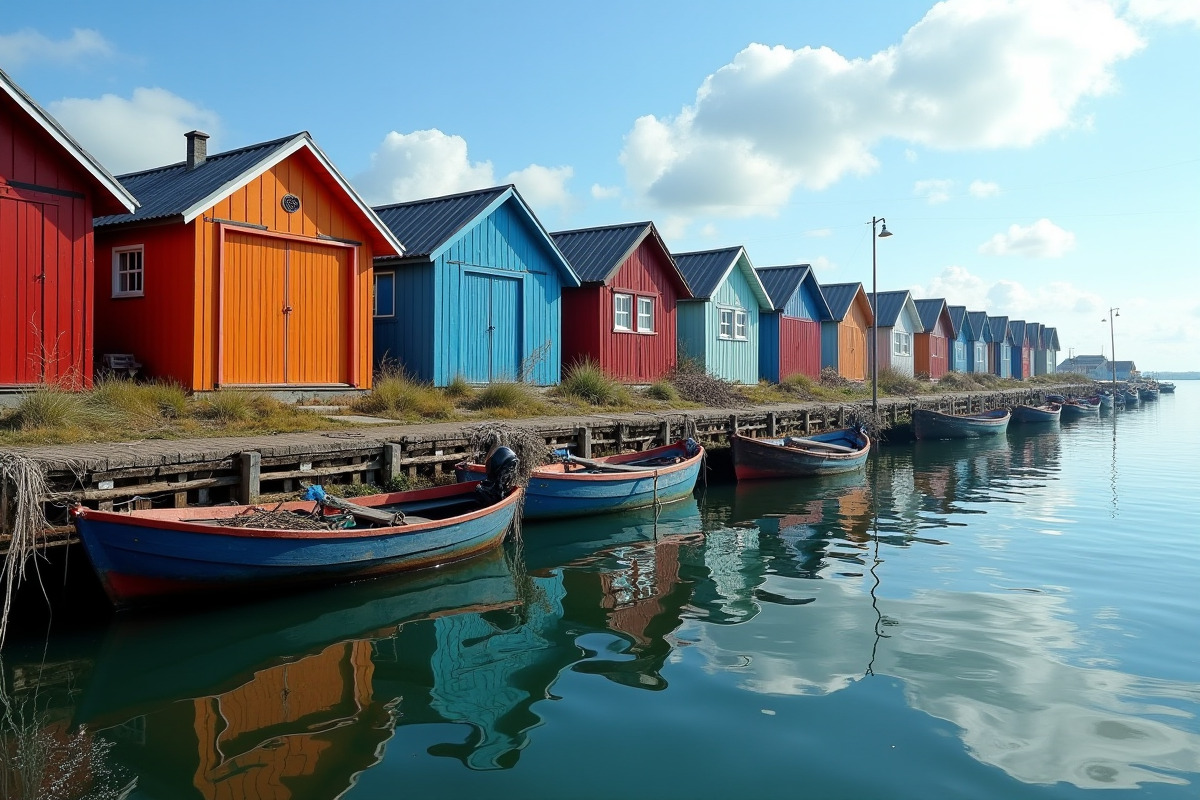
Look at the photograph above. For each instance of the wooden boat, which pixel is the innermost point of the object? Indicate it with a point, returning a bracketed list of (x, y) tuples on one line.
[(1074, 409), (1049, 412), (1166, 387), (1130, 396), (1105, 400), (828, 453), (153, 554), (1147, 392), (578, 486), (929, 424)]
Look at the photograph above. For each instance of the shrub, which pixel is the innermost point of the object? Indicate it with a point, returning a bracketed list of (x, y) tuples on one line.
[(587, 381), (518, 397), (138, 404), (897, 383), (395, 394), (662, 390), (49, 408), (695, 385), (458, 388), (228, 406)]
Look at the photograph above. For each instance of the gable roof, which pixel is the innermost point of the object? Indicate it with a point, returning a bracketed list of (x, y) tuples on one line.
[(891, 305), (1050, 339), (705, 270), (958, 318), (980, 326), (596, 254), (1017, 326), (782, 283), (431, 225), (174, 191), (840, 296), (930, 310), (1033, 331), (999, 329), (111, 196)]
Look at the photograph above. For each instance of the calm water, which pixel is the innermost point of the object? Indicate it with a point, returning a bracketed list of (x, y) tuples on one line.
[(992, 619)]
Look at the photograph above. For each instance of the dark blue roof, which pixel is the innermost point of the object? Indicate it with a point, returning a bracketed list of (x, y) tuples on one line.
[(839, 296), (426, 225), (1000, 330), (1017, 326), (1033, 330), (958, 318), (169, 191), (929, 310), (891, 304), (1050, 339), (979, 320), (782, 283), (703, 270)]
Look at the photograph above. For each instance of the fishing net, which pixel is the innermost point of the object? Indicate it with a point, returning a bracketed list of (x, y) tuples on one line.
[(273, 519), (23, 480)]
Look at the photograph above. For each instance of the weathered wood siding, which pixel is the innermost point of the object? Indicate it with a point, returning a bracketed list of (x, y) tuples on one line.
[(932, 349), (699, 331)]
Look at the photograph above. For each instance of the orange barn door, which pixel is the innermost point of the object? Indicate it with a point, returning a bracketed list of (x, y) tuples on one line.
[(253, 317), (318, 328)]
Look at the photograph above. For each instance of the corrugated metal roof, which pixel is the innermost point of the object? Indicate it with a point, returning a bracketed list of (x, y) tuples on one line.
[(426, 225), (783, 282), (595, 253), (891, 304), (958, 317), (1017, 326), (169, 191), (979, 320), (839, 296), (1033, 330), (999, 329), (1050, 339), (703, 270), (929, 309)]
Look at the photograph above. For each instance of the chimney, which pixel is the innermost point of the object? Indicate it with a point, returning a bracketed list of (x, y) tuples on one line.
[(197, 148)]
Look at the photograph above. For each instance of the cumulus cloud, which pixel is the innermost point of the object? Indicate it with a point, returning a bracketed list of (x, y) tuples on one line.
[(983, 189), (143, 131), (1042, 239), (605, 192), (1171, 12), (413, 166), (934, 191), (543, 187), (967, 76), (27, 45)]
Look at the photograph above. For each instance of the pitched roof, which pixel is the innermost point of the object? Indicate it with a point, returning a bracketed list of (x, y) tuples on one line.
[(176, 191), (112, 196), (958, 318), (1033, 331), (1000, 330), (430, 226), (705, 270), (782, 283), (1050, 338), (930, 310), (840, 296), (891, 304), (596, 254), (979, 325), (1017, 326)]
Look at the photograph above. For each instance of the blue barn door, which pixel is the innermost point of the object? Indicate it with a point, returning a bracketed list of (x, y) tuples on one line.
[(492, 328)]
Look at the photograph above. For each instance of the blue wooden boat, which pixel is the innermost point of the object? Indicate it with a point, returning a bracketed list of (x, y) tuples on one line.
[(1166, 387), (1049, 412), (1075, 409), (1105, 399), (1130, 396), (929, 424), (154, 554), (1147, 392), (842, 450), (575, 486)]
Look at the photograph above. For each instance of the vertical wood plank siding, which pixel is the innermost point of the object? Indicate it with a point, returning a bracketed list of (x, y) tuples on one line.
[(47, 268), (853, 333), (699, 331), (406, 339)]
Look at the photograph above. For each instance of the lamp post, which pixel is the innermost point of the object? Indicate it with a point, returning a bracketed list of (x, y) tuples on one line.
[(1112, 336), (875, 317)]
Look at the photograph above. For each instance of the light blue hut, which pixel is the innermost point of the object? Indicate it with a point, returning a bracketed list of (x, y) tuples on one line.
[(477, 294), (1000, 341), (897, 323), (977, 352), (960, 344), (1049, 351), (719, 327)]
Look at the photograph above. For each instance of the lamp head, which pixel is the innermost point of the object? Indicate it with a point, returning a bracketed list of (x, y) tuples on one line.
[(883, 234)]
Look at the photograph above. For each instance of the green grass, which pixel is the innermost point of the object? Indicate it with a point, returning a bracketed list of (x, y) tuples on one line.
[(894, 382), (396, 395), (510, 398), (663, 391), (586, 381), (458, 388)]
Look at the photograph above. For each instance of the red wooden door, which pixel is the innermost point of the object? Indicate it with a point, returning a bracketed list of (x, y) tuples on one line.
[(24, 347)]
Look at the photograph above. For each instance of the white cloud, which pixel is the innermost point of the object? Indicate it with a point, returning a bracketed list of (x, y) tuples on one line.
[(1170, 12), (934, 191), (673, 227), (605, 192), (141, 132), (28, 45), (983, 189), (969, 75), (709, 231), (1042, 239), (421, 164), (543, 187)]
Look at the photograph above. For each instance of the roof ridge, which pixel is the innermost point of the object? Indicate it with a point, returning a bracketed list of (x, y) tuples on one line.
[(497, 189), (614, 226), (216, 156)]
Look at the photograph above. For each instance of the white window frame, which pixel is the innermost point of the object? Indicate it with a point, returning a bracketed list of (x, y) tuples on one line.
[(139, 272), (724, 323), (741, 322), (980, 353), (375, 295), (646, 305), (618, 312), (901, 343), (960, 352)]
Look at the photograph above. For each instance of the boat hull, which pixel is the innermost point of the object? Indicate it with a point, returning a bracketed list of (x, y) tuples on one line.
[(936, 425), (755, 459), (146, 555), (1035, 414), (556, 491), (1080, 410)]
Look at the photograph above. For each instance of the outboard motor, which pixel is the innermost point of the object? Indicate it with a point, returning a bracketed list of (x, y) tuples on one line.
[(502, 468)]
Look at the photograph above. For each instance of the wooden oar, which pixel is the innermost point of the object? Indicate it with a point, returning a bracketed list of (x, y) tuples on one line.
[(803, 442), (385, 518), (604, 466)]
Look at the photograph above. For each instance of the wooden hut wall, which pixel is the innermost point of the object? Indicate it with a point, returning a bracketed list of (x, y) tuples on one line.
[(699, 330), (1000, 354), (844, 344), (931, 349), (960, 349), (46, 261), (405, 334)]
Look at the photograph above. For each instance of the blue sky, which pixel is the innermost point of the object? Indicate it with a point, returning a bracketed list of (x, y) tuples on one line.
[(1035, 159)]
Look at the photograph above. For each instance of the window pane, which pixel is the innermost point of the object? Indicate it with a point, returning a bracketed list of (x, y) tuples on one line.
[(726, 326), (622, 311), (739, 325), (645, 321), (385, 294)]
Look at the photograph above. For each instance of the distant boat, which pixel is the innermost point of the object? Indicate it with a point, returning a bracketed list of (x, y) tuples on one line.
[(1105, 399), (1147, 392), (936, 425), (583, 486), (1130, 396), (1050, 412), (842, 450), (1074, 409), (151, 554), (1166, 387)]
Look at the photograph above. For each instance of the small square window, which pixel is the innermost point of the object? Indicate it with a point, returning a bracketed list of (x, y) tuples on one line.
[(739, 325), (725, 323), (385, 294), (128, 272), (623, 312), (645, 318)]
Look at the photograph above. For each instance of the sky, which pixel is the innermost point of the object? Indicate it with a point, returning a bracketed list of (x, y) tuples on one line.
[(1037, 159)]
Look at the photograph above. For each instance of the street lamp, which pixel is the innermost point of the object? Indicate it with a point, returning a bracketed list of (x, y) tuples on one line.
[(1113, 312), (875, 317)]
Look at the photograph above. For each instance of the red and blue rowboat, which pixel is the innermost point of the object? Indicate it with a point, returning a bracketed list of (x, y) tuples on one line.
[(842, 450), (929, 424), (144, 555), (578, 486)]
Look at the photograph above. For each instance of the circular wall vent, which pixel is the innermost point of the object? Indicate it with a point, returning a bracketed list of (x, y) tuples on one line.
[(290, 203)]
